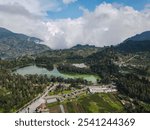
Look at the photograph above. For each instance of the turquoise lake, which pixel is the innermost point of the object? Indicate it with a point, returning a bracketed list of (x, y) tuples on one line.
[(43, 71)]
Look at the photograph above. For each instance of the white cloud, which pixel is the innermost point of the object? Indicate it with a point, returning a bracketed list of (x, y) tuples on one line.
[(107, 24), (69, 1), (36, 7), (26, 16)]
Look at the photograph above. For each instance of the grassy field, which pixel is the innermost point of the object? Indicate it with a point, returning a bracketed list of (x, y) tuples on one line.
[(52, 104), (59, 92), (55, 109), (1, 110), (95, 103)]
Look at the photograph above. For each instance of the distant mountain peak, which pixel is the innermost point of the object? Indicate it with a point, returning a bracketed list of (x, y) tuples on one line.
[(140, 37), (137, 43)]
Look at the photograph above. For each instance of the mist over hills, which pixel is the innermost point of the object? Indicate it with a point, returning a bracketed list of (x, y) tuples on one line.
[(13, 44), (137, 43)]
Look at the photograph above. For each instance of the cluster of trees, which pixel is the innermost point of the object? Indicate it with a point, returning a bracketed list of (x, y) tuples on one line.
[(69, 80), (74, 58), (102, 64), (134, 86), (68, 68), (47, 62), (17, 90), (105, 69), (131, 46), (16, 63)]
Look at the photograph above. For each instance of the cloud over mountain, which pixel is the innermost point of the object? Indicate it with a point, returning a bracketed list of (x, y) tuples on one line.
[(107, 24)]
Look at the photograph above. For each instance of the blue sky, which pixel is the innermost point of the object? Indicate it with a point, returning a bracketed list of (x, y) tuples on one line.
[(72, 10), (63, 23)]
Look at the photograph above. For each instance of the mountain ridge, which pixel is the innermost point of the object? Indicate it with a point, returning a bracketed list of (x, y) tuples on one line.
[(137, 43), (144, 36), (13, 44)]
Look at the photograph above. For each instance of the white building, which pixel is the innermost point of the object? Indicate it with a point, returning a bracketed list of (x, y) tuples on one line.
[(52, 100), (102, 89)]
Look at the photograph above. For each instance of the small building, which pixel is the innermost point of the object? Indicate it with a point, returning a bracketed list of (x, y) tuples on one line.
[(41, 108), (51, 100), (102, 89)]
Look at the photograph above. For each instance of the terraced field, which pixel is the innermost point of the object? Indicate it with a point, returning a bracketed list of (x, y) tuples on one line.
[(95, 103)]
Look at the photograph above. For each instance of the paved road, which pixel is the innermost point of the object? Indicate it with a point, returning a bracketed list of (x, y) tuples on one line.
[(62, 108), (31, 107), (129, 59)]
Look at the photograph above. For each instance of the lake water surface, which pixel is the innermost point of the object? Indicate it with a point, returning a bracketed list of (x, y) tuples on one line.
[(38, 70)]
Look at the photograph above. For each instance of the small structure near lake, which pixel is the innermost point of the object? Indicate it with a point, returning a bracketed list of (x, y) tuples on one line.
[(82, 65)]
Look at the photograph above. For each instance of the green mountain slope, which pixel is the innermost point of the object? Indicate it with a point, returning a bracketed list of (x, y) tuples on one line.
[(14, 45)]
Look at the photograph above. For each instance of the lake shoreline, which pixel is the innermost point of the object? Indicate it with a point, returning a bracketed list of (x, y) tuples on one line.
[(33, 69)]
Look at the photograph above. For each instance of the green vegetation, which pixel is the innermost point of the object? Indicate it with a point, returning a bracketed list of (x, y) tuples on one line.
[(145, 106), (135, 87), (102, 64), (59, 92), (66, 91), (129, 46), (96, 103), (13, 45), (17, 90), (130, 72), (68, 68), (52, 104)]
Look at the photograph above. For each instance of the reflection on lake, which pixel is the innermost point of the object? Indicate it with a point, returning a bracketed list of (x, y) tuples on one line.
[(38, 70)]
